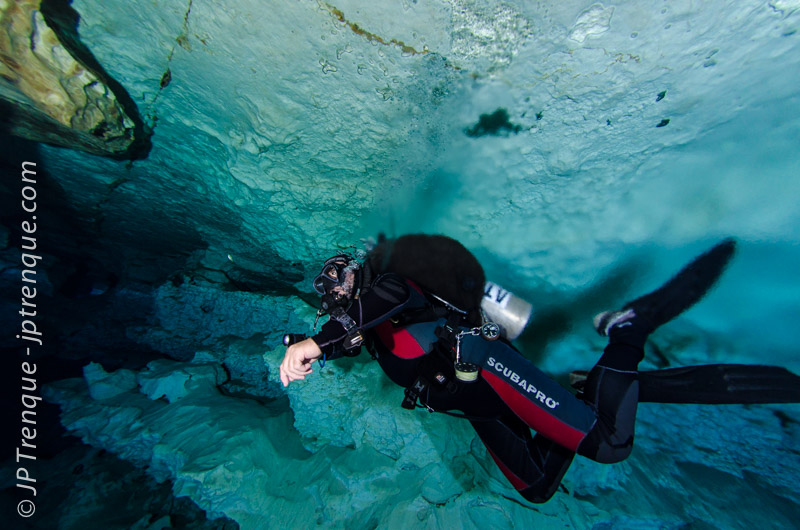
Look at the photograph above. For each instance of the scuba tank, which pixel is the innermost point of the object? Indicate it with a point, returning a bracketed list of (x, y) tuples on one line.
[(444, 267), (509, 311)]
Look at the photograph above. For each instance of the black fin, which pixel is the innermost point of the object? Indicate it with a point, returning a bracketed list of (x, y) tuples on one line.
[(714, 384), (686, 288), (720, 384)]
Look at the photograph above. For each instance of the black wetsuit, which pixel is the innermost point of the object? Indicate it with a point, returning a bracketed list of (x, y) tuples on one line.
[(511, 395)]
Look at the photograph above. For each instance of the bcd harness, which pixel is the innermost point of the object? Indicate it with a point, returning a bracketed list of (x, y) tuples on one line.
[(436, 367), (337, 312), (442, 367)]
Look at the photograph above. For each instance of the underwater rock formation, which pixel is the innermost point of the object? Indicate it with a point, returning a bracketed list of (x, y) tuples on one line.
[(49, 95), (289, 131), (496, 123), (338, 449)]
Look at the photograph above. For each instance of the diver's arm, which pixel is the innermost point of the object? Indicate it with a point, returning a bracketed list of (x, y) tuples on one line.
[(387, 296), (297, 361)]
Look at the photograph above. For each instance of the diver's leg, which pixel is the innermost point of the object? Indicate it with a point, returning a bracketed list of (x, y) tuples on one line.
[(533, 465), (612, 388), (599, 426), (539, 401)]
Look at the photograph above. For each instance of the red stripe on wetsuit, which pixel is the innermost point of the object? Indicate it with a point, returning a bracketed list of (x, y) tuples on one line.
[(399, 341), (536, 417), (515, 481)]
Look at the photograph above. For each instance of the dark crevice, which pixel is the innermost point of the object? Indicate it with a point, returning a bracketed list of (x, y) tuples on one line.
[(131, 497), (785, 419), (166, 77)]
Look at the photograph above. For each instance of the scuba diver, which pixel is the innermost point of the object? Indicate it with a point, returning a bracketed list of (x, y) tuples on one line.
[(415, 304)]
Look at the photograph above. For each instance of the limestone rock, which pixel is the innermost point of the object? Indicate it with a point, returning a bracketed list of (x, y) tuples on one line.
[(103, 385), (49, 95), (175, 380)]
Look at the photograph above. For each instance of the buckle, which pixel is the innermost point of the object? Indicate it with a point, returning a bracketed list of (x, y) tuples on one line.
[(410, 400)]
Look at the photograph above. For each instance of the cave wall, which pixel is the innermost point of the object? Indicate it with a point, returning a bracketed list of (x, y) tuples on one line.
[(583, 151)]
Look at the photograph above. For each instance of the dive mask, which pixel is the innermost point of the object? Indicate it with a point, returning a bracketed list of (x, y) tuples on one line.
[(337, 277), (337, 284)]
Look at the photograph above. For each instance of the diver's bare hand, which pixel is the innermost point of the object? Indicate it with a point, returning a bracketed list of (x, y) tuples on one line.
[(297, 361)]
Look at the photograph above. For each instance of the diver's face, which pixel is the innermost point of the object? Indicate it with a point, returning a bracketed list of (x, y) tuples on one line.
[(327, 278), (345, 288), (336, 280)]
